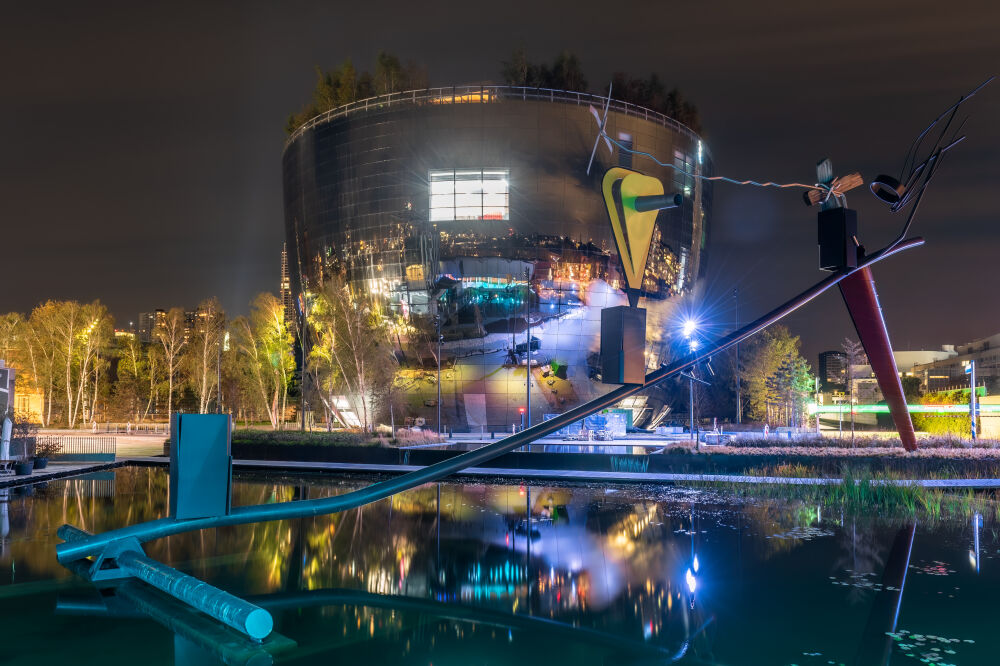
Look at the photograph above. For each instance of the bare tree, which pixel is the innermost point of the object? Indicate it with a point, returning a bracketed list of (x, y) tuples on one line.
[(203, 350), (854, 353), (171, 337)]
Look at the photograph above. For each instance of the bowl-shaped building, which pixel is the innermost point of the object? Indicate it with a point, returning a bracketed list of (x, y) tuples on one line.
[(474, 203)]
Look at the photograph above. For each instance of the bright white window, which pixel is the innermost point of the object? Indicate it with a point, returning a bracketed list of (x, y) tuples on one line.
[(469, 194)]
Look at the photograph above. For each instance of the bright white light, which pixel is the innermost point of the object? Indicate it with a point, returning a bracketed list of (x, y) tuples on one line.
[(689, 327), (693, 345), (696, 564), (691, 581)]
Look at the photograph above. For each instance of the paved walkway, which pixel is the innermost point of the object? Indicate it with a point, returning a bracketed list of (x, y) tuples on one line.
[(577, 475), (56, 470)]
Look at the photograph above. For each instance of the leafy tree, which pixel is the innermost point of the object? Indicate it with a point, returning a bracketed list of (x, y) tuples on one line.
[(653, 94), (352, 354), (202, 355), (518, 71), (38, 347), (171, 337), (132, 384), (79, 334), (565, 73), (265, 355), (911, 390), (11, 328), (772, 371), (389, 74)]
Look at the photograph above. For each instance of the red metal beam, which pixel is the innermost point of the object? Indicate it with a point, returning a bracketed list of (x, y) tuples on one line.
[(858, 290)]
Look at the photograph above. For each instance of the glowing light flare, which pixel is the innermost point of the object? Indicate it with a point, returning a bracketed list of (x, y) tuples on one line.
[(695, 564), (692, 582), (689, 327)]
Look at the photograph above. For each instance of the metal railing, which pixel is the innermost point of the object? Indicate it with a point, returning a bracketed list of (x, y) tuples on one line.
[(134, 428), (488, 94), (81, 449)]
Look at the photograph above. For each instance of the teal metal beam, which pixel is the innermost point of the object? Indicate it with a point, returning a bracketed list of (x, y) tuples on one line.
[(156, 529)]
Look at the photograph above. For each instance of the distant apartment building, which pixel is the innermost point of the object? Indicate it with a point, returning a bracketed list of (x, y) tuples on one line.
[(832, 371), (148, 321)]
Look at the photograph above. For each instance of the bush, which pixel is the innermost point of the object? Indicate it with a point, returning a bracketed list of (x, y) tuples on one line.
[(292, 438)]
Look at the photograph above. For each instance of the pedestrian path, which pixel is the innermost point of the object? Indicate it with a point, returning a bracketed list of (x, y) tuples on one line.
[(57, 471), (582, 475)]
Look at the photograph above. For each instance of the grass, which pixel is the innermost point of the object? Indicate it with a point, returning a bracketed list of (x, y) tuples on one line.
[(862, 492)]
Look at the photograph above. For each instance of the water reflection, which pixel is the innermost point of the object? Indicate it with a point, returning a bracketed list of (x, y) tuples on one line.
[(522, 574)]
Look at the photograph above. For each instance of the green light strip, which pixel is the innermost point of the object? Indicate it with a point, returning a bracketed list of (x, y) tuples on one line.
[(884, 409)]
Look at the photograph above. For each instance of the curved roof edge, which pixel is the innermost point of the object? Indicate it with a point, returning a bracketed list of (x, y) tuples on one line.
[(486, 94)]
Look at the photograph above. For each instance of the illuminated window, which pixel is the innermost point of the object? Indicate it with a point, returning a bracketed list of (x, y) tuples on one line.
[(469, 194)]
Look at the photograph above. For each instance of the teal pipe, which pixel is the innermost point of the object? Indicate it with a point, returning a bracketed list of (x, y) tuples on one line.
[(156, 529), (241, 615)]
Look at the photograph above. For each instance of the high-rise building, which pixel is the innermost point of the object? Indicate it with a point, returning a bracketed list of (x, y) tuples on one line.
[(833, 371), (287, 300), (148, 321)]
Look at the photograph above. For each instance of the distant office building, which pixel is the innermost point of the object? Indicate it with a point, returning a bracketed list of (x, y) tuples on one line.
[(948, 371), (832, 371), (866, 389), (148, 322), (199, 320), (287, 300)]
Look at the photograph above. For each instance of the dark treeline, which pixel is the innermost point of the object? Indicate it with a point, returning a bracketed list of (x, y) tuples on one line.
[(345, 84)]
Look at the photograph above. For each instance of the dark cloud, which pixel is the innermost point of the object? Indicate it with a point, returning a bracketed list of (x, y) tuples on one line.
[(141, 142)]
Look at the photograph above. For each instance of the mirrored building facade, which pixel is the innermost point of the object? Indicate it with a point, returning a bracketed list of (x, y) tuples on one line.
[(475, 203)]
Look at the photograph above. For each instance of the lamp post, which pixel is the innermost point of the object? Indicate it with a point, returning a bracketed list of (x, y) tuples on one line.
[(739, 396), (970, 369), (437, 322), (688, 329), (218, 376), (527, 320)]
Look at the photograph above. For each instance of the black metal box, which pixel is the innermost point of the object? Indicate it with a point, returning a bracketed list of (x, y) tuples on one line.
[(623, 345), (838, 228)]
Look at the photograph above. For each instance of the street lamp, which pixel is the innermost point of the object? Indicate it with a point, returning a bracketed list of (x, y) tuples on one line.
[(688, 329), (437, 323), (739, 396), (527, 320)]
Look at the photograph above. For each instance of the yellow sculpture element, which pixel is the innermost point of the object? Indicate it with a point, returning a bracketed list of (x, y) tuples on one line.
[(633, 229)]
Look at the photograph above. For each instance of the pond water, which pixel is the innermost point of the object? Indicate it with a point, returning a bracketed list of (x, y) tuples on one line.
[(455, 574)]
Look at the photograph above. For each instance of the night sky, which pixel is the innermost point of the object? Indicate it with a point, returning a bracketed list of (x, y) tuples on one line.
[(140, 143)]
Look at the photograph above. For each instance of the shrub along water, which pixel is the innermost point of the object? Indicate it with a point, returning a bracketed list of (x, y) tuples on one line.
[(876, 495)]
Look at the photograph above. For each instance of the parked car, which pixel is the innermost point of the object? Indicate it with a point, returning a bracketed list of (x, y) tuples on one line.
[(523, 347)]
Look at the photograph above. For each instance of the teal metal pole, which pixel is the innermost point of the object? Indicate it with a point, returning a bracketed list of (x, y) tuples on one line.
[(241, 615), (156, 529)]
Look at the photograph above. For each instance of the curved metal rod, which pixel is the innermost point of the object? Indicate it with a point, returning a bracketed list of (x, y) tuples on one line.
[(156, 529)]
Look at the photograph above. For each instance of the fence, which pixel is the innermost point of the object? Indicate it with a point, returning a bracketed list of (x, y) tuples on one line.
[(132, 428), (73, 448)]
